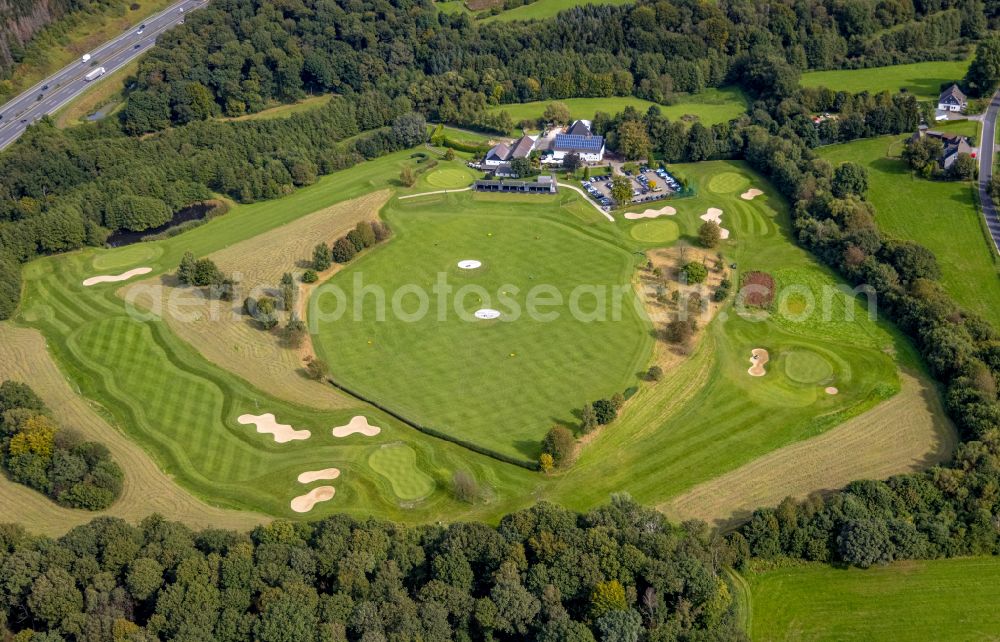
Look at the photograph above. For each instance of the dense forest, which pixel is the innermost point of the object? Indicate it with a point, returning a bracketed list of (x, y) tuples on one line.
[(617, 573)]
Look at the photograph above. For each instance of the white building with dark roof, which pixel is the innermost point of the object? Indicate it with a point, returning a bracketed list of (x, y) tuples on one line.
[(952, 99), (578, 139), (503, 153)]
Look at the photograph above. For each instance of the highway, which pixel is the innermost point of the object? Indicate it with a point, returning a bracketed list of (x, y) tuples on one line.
[(51, 94), (986, 160)]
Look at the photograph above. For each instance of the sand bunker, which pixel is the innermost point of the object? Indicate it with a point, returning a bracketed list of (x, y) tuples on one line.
[(310, 476), (358, 424), (305, 503), (113, 278), (751, 193), (714, 214), (758, 360), (487, 313), (266, 423), (469, 264), (651, 213), (830, 390)]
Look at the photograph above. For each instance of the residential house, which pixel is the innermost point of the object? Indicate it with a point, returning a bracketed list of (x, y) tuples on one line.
[(952, 99), (954, 144)]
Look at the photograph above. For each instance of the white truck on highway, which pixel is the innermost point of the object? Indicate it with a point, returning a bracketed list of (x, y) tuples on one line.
[(93, 74)]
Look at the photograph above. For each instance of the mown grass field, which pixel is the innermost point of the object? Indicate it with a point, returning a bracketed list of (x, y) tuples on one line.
[(952, 599), (541, 9), (714, 105), (501, 384), (922, 79), (942, 215), (705, 418)]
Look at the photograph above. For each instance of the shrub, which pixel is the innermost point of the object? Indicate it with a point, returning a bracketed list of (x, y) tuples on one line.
[(605, 411), (407, 177), (294, 333), (560, 443), (381, 231), (356, 240), (365, 233), (449, 154), (545, 462), (694, 272), (709, 234), (655, 373), (310, 276), (316, 368), (757, 289), (465, 487), (344, 250), (321, 257), (588, 418), (680, 331), (266, 313)]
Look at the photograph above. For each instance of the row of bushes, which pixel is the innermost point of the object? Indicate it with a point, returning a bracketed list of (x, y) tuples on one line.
[(36, 452)]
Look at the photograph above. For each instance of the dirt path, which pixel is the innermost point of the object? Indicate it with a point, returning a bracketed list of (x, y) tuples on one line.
[(440, 191), (904, 434), (23, 357)]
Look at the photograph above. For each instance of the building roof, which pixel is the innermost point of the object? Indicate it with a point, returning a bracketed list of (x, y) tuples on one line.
[(522, 147), (499, 152), (580, 128), (575, 143), (952, 94)]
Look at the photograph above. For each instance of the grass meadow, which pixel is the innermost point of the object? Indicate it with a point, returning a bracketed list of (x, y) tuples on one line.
[(706, 417), (714, 105), (541, 9), (942, 215), (951, 599), (922, 79)]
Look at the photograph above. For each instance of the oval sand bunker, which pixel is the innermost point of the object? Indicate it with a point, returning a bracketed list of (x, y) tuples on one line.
[(487, 313), (758, 359), (113, 278), (305, 503), (470, 264), (830, 390)]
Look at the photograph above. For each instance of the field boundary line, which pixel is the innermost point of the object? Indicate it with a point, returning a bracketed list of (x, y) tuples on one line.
[(482, 450), (579, 191)]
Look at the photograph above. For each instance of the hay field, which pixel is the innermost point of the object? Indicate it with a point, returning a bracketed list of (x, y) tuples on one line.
[(147, 489), (226, 337), (906, 433)]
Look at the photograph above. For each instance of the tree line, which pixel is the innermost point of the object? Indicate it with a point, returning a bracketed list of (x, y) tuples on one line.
[(620, 572)]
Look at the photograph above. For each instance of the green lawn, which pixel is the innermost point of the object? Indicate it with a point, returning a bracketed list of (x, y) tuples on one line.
[(545, 9), (940, 599), (922, 79), (941, 215), (500, 383), (714, 105)]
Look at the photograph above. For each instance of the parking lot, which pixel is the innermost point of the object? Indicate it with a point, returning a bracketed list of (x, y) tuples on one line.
[(648, 185)]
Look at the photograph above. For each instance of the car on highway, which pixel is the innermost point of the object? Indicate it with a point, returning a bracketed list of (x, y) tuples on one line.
[(141, 29), (85, 58), (45, 87)]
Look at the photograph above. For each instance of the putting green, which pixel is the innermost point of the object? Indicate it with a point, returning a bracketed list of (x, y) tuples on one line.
[(132, 255), (727, 182), (658, 231), (806, 366), (448, 178), (398, 464)]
